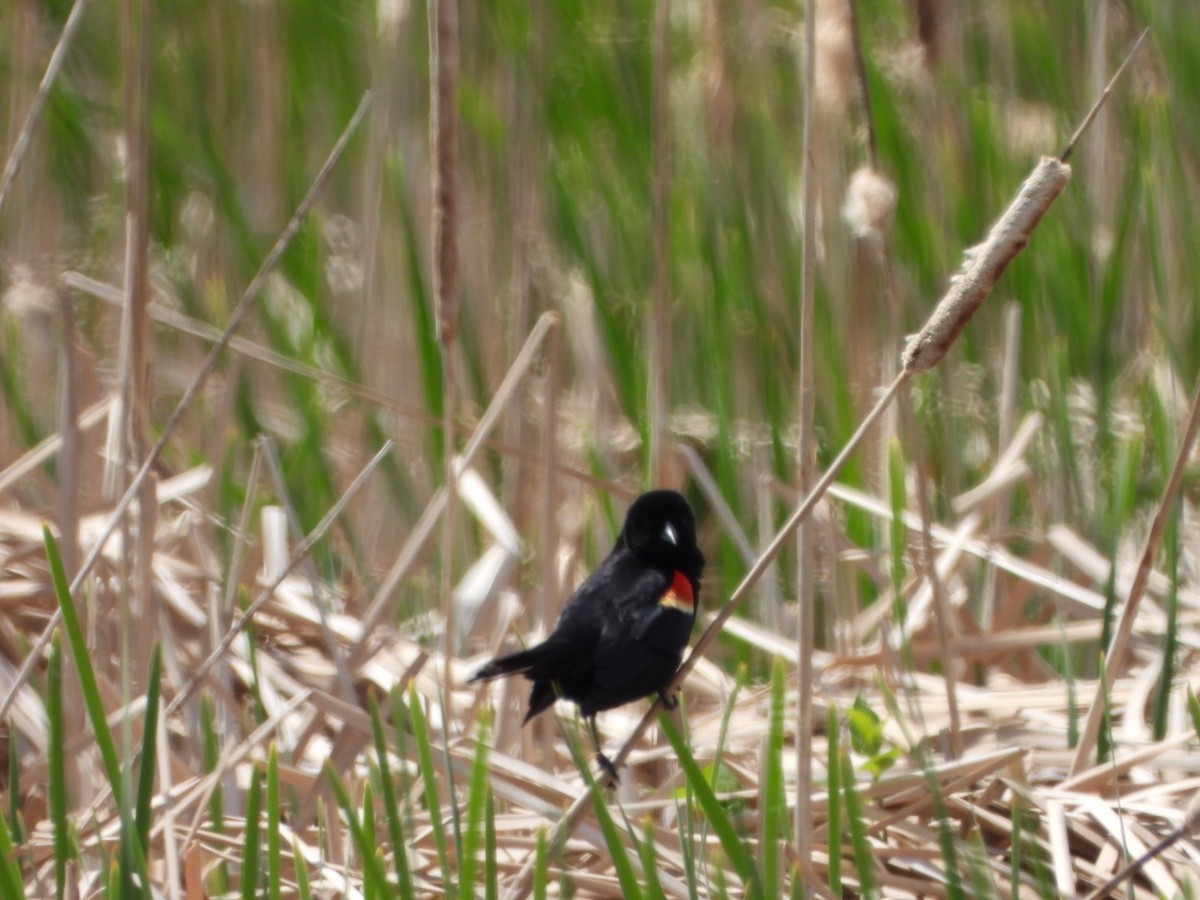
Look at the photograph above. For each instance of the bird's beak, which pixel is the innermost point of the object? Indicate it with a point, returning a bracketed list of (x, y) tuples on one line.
[(669, 534)]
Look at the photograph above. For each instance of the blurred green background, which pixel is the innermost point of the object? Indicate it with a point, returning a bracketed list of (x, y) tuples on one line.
[(555, 213)]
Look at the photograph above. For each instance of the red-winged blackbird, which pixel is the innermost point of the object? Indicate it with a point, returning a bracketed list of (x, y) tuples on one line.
[(622, 634)]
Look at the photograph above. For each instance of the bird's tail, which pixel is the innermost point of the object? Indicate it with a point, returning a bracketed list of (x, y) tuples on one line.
[(513, 664)]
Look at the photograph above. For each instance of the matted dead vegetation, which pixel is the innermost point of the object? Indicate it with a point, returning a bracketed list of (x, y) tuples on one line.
[(1005, 763)]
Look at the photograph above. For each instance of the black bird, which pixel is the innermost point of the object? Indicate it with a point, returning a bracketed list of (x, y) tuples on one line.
[(622, 633)]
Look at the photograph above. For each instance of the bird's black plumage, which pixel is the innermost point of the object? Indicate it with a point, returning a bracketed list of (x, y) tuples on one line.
[(622, 633)]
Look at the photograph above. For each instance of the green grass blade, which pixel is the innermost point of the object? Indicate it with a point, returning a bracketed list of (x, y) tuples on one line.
[(274, 851), (1014, 862), (394, 820), (10, 870), (58, 767), (83, 665), (374, 875), (1193, 706), (303, 888), (774, 790), (1162, 696), (654, 890), (731, 842), (614, 838), (491, 871), (541, 866), (219, 876), (251, 841), (149, 759), (863, 863), (114, 886), (132, 852), (429, 778), (476, 801)]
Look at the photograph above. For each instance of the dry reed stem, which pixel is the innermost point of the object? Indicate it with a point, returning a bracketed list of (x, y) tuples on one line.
[(266, 446), (443, 127), (421, 532), (17, 155), (717, 503), (1190, 819), (1103, 98), (206, 369), (265, 355), (806, 454), (47, 449), (994, 593), (658, 402), (943, 620), (1119, 645)]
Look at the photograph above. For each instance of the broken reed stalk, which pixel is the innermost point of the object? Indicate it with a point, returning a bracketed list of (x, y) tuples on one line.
[(984, 264), (206, 369), (1191, 820), (300, 553)]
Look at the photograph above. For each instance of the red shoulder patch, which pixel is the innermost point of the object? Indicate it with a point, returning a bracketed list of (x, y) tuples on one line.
[(679, 595)]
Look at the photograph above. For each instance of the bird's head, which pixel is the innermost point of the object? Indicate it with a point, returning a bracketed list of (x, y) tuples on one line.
[(661, 529)]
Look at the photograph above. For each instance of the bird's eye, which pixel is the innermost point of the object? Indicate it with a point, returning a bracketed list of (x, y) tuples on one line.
[(669, 534)]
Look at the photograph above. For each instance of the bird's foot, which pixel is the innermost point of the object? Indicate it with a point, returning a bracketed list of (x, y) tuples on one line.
[(670, 702), (606, 765)]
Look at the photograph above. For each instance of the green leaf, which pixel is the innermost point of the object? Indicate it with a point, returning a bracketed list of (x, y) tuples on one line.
[(866, 728)]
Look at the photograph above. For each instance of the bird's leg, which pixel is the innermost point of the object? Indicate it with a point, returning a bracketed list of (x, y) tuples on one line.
[(605, 763), (670, 702)]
